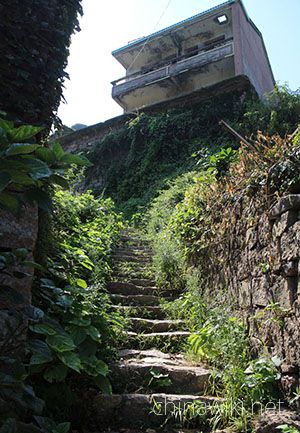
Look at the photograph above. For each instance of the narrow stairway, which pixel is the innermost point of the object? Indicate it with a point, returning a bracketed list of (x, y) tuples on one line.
[(152, 382)]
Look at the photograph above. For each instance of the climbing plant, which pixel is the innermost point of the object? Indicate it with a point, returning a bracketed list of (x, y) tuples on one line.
[(35, 39)]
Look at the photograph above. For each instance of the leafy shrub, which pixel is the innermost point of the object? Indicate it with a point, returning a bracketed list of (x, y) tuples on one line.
[(77, 332), (29, 168)]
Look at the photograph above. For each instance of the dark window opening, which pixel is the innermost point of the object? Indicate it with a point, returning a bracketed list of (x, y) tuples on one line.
[(192, 51)]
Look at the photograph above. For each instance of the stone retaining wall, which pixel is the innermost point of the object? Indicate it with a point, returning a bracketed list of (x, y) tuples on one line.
[(260, 266)]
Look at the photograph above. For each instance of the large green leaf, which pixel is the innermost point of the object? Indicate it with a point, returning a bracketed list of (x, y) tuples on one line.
[(71, 360), (5, 179), (20, 178), (93, 332), (24, 132), (10, 202), (58, 150), (46, 155), (80, 321), (40, 358), (21, 149), (43, 328), (81, 283), (57, 373), (61, 342), (69, 158), (37, 169), (7, 125), (78, 334), (41, 353), (95, 367)]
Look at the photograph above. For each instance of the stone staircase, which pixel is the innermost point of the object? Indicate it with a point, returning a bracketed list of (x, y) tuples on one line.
[(152, 382)]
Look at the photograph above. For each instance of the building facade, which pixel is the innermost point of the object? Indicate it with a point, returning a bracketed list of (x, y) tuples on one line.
[(195, 54)]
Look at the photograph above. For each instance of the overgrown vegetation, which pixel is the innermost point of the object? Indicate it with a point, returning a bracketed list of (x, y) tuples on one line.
[(72, 332), (132, 164), (77, 333), (189, 222), (35, 47)]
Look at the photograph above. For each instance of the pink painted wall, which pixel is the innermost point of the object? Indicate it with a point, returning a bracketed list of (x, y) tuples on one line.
[(251, 58)]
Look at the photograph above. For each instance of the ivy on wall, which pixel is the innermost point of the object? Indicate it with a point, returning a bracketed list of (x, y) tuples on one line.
[(34, 46)]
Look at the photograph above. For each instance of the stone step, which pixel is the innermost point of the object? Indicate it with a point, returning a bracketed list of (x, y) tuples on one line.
[(154, 325), (140, 370), (134, 251), (131, 258), (144, 410), (148, 312), (131, 274), (143, 282), (133, 300), (126, 288), (136, 267), (134, 240), (172, 341)]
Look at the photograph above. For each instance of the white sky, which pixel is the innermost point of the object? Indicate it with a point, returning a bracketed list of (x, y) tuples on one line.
[(111, 24)]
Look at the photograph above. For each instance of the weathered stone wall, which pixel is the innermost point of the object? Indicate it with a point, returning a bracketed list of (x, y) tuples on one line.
[(260, 267), (16, 282)]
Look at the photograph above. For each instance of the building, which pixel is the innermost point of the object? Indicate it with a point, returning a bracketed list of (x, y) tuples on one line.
[(195, 54)]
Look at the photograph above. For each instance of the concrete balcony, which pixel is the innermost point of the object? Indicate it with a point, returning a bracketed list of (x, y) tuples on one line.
[(179, 77)]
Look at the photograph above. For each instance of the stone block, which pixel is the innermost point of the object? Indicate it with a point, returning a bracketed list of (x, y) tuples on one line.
[(244, 291), (292, 340), (284, 291), (284, 222), (251, 237), (290, 243), (290, 269), (289, 202), (264, 232), (261, 291), (270, 420)]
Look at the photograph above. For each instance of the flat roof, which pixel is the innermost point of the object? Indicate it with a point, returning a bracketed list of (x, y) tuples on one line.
[(173, 26)]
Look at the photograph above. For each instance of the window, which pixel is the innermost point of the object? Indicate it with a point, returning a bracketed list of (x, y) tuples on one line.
[(222, 19)]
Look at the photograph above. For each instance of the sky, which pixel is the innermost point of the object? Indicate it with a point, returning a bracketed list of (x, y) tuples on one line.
[(109, 25)]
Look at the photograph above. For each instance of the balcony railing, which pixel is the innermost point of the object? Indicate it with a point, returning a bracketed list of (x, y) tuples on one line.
[(130, 83)]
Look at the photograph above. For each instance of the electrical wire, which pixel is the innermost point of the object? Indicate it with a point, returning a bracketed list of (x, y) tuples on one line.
[(147, 40)]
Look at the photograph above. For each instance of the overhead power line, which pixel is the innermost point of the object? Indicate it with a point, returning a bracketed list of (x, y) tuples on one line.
[(155, 27)]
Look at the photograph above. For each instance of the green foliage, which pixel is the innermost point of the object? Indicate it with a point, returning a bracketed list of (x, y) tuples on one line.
[(77, 330), (285, 428), (219, 163), (137, 160), (221, 340), (157, 380), (27, 169), (34, 33), (279, 115)]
